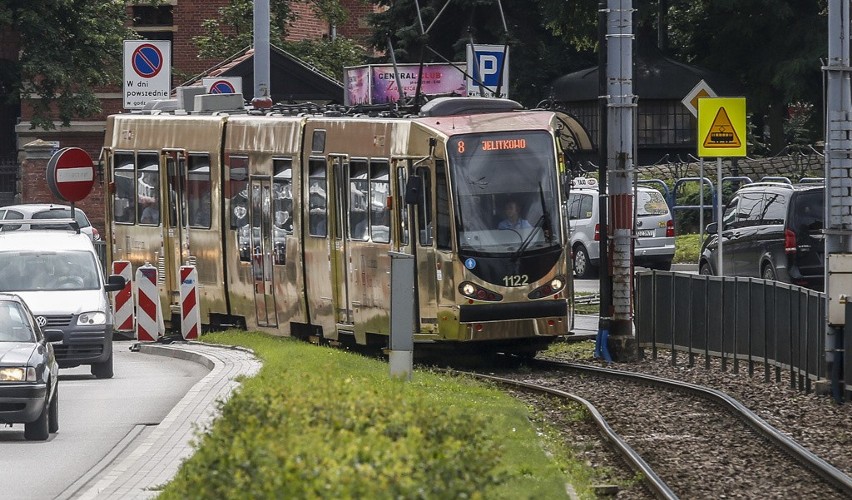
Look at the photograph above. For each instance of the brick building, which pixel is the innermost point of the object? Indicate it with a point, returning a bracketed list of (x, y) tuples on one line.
[(178, 21)]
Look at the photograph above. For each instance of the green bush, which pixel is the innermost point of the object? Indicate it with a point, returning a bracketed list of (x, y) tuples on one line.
[(322, 423)]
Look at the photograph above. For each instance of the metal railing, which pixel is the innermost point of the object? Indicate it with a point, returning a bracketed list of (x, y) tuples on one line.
[(742, 321)]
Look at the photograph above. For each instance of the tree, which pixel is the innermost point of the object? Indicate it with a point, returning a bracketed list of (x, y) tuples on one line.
[(232, 31), (68, 48), (772, 46), (538, 51)]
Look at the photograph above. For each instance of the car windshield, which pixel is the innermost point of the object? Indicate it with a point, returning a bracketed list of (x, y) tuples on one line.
[(506, 191), (24, 271), (59, 213), (13, 325)]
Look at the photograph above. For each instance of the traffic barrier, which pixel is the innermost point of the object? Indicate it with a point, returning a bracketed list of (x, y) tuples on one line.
[(190, 312), (149, 316), (123, 299)]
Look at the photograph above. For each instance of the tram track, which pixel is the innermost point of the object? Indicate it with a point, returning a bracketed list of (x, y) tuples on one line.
[(674, 436)]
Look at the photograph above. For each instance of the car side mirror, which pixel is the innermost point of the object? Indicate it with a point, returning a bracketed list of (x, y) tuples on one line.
[(114, 283), (713, 227), (53, 335)]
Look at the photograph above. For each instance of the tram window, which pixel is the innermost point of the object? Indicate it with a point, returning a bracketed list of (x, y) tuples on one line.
[(358, 198), (238, 185), (402, 207), (379, 211), (424, 208), (148, 189), (282, 206), (198, 190), (442, 207), (124, 196), (318, 202)]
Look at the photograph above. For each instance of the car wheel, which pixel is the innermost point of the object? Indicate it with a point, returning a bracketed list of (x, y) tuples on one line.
[(103, 370), (705, 270), (582, 265), (53, 412), (38, 430), (768, 272)]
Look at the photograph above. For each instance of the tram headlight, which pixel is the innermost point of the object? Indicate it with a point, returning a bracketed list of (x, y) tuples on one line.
[(555, 286), (476, 292)]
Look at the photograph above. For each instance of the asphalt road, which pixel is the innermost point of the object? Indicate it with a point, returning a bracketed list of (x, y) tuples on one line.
[(97, 420)]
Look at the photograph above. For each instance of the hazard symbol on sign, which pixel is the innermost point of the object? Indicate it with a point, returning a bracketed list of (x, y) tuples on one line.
[(722, 133), (721, 126)]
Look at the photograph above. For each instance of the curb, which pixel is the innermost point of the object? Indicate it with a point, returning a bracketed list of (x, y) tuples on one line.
[(155, 458)]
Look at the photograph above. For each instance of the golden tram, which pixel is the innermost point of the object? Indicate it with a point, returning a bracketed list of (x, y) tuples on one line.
[(290, 218)]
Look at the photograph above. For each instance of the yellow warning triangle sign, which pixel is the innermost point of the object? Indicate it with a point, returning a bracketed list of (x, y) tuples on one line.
[(722, 133)]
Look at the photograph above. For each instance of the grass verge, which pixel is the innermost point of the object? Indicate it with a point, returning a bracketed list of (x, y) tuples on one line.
[(323, 423)]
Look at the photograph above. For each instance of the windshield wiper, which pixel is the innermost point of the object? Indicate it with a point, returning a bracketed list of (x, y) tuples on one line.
[(542, 223)]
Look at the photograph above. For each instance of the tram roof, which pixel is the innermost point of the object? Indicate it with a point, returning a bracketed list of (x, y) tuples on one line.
[(491, 122)]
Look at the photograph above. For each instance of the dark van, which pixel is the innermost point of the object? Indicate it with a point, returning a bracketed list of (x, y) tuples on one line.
[(771, 231)]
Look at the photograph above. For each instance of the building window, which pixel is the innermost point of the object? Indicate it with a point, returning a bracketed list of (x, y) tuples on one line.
[(665, 123), (154, 22)]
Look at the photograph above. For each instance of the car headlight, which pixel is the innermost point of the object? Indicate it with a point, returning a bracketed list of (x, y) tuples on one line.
[(92, 318), (17, 374)]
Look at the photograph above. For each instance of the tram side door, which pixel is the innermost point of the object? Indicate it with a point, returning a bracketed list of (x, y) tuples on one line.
[(260, 217), (338, 243), (175, 250)]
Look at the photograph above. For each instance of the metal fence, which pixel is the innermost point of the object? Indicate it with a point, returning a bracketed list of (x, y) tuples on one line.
[(746, 322)]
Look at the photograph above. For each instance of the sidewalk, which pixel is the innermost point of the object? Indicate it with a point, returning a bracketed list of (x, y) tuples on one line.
[(139, 473)]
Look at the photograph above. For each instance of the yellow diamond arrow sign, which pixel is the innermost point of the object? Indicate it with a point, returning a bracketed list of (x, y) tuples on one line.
[(721, 126)]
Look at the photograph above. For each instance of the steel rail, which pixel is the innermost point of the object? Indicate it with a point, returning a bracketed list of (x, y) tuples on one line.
[(798, 452), (657, 486)]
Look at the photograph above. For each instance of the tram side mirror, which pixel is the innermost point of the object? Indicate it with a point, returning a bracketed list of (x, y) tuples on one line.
[(413, 190), (711, 228)]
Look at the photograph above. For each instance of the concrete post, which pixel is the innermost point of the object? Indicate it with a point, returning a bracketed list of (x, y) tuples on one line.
[(401, 355), (31, 179)]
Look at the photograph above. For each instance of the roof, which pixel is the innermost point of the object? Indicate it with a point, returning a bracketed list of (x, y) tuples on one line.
[(44, 239), (655, 76), (291, 78)]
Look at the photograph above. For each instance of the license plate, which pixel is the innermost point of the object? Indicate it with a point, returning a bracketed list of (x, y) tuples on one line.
[(645, 233)]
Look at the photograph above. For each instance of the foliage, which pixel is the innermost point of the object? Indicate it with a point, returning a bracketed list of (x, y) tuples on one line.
[(233, 30), (322, 423), (537, 55), (755, 43), (329, 56), (687, 248), (68, 48)]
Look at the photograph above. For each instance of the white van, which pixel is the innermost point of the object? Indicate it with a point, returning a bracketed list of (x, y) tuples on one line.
[(59, 276), (654, 246)]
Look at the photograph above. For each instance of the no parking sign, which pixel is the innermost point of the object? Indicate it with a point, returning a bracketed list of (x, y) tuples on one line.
[(147, 72)]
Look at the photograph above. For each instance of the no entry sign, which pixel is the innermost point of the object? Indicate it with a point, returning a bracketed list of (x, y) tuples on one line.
[(70, 174)]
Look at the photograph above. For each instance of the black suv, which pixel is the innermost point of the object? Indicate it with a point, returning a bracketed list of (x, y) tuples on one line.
[(771, 231)]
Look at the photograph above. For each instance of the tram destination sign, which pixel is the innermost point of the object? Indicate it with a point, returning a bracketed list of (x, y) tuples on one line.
[(70, 174), (147, 72)]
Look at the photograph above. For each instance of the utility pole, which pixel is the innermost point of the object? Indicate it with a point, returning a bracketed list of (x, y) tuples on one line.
[(603, 204), (620, 155), (838, 187), (262, 88)]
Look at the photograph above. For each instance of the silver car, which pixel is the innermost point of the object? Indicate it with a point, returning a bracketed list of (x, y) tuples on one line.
[(46, 211), (654, 244)]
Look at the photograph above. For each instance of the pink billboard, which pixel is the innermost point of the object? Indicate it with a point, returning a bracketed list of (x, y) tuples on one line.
[(380, 85)]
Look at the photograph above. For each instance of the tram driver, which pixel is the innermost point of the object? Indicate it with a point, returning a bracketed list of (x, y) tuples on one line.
[(513, 218)]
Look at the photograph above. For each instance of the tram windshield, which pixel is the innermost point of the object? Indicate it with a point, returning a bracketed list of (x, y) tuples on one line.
[(506, 191)]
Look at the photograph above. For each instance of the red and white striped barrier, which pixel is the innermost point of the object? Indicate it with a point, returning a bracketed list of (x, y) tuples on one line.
[(190, 312), (123, 299), (149, 316)]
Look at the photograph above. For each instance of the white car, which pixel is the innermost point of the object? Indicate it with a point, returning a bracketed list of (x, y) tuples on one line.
[(654, 245), (46, 211)]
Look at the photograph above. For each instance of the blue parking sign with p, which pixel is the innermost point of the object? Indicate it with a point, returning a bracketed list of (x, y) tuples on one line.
[(488, 69)]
